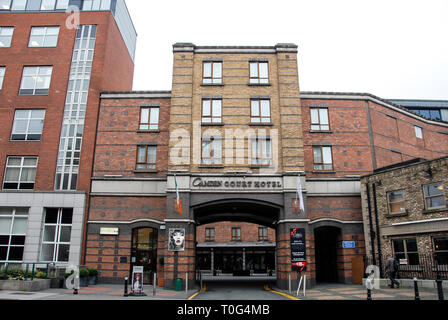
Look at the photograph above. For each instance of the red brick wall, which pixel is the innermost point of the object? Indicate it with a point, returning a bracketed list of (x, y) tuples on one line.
[(223, 232)]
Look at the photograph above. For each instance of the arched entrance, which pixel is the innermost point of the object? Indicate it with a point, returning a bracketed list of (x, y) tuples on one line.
[(326, 241), (144, 252)]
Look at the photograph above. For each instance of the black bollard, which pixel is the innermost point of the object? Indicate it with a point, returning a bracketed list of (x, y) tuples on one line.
[(369, 294), (125, 287), (439, 287), (417, 295)]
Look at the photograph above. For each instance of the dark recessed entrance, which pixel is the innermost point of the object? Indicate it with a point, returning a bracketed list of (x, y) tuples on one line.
[(326, 249), (144, 252)]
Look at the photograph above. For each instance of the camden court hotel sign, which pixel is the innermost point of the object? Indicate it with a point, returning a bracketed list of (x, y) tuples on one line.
[(230, 184)]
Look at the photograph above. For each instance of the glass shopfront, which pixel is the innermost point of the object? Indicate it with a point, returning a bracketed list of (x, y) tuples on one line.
[(144, 252)]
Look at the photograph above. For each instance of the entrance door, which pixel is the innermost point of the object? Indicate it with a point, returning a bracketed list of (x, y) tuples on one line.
[(326, 241), (144, 252)]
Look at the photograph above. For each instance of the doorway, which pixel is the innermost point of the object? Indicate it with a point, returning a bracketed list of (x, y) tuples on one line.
[(326, 253), (144, 252)]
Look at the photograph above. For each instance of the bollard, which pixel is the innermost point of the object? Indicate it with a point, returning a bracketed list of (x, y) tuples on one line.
[(417, 296), (439, 287), (76, 284), (154, 284), (369, 294), (289, 283), (186, 282), (126, 294)]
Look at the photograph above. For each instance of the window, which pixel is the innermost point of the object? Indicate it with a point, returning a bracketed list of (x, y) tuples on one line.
[(211, 110), (395, 200), (260, 111), (441, 250), (406, 249), (19, 5), (262, 234), (209, 234), (2, 76), (95, 5), (434, 196), (236, 234), (56, 235), (146, 157), (13, 225), (261, 151), (20, 173), (259, 72), (28, 125), (418, 132), (44, 37), (212, 72), (323, 160), (6, 36), (149, 118), (36, 80), (211, 150), (319, 119), (5, 4)]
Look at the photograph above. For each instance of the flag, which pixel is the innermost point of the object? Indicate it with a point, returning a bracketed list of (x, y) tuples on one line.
[(299, 196), (178, 201)]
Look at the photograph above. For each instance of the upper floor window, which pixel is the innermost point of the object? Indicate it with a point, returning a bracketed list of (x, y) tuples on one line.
[(262, 233), (5, 4), (236, 234), (323, 160), (396, 203), (212, 72), (149, 118), (20, 173), (319, 119), (2, 76), (13, 226), (44, 37), (211, 150), (209, 234), (36, 80), (28, 125), (53, 4), (418, 132), (261, 151), (6, 36), (259, 72), (260, 110), (92, 5), (434, 196), (211, 110), (146, 157)]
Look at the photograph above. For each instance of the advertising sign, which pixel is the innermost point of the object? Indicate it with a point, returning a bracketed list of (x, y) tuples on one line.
[(176, 240), (298, 249), (137, 278)]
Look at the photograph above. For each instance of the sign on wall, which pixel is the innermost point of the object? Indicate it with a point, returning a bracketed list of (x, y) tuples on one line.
[(298, 249), (176, 240)]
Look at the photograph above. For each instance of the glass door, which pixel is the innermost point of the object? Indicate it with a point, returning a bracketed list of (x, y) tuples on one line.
[(144, 252)]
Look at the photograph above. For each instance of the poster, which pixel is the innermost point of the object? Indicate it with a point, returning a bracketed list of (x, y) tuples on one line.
[(137, 278), (176, 240), (298, 249)]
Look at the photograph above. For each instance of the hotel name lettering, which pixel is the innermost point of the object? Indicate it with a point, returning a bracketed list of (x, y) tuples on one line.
[(237, 184)]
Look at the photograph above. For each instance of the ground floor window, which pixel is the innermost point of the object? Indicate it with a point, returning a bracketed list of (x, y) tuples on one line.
[(56, 234), (441, 250), (13, 225), (406, 249)]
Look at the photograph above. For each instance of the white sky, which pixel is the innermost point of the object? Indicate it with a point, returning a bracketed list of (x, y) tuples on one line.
[(392, 49)]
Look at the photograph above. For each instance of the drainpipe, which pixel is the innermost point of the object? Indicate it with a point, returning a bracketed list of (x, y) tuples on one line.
[(380, 258), (372, 232)]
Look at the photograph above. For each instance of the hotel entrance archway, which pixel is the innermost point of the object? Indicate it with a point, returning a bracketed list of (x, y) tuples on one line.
[(326, 240)]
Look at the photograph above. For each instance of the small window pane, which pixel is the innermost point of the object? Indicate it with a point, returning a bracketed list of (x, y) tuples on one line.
[(47, 252), (5, 225)]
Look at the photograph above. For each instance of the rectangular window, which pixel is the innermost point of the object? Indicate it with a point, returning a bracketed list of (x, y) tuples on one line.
[(44, 37), (434, 196), (47, 5), (406, 249), (6, 36), (211, 110), (5, 4), (262, 233), (149, 118), (13, 225), (323, 159), (319, 119), (212, 72), (56, 235), (259, 72), (211, 150), (19, 5), (236, 234), (418, 132), (260, 111), (36, 80), (146, 157), (20, 173), (28, 125), (441, 250), (62, 4), (261, 152), (396, 203), (2, 76), (209, 234)]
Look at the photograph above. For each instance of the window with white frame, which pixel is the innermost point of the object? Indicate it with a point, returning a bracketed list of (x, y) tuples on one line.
[(319, 119), (6, 36), (211, 110), (28, 125), (212, 72), (5, 4), (13, 225), (211, 150), (2, 76), (19, 5), (56, 235), (53, 4), (44, 37), (396, 202), (95, 5), (149, 118), (261, 151), (146, 157), (259, 72), (20, 173), (36, 80), (322, 158), (434, 196), (418, 132), (260, 111)]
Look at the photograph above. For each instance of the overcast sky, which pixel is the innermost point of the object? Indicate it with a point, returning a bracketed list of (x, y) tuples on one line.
[(392, 49)]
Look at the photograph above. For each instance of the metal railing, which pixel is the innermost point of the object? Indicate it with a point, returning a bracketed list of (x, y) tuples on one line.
[(6, 266)]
